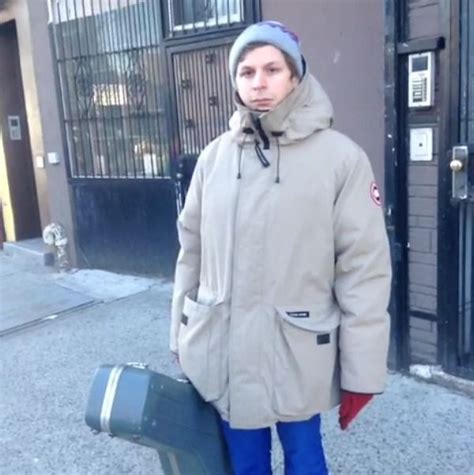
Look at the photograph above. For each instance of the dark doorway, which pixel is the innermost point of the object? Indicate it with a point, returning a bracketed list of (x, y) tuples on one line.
[(396, 183), (457, 198), (16, 139)]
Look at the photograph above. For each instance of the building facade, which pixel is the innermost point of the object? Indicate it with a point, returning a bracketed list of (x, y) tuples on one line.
[(121, 96), (109, 102)]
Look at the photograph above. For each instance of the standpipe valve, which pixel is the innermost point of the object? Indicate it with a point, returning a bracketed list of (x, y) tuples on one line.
[(54, 234)]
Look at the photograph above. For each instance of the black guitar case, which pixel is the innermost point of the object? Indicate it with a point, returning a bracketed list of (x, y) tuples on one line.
[(148, 408)]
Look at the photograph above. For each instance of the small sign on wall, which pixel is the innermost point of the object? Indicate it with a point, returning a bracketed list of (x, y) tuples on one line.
[(14, 127), (421, 144), (39, 159)]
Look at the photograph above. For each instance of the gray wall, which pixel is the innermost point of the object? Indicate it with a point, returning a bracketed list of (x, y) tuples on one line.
[(343, 42), (59, 199), (31, 17)]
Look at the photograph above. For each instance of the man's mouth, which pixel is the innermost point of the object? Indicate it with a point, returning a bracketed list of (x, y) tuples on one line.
[(262, 102)]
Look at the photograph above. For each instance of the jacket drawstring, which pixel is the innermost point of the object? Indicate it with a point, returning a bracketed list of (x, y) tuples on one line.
[(277, 136), (246, 131), (261, 156), (239, 173)]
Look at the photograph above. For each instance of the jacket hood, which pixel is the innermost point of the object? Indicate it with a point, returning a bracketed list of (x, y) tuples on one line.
[(304, 111)]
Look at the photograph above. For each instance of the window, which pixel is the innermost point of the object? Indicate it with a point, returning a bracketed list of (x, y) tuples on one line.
[(112, 90), (196, 14)]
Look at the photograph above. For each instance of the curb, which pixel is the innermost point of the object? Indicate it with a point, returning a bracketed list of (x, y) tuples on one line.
[(434, 374)]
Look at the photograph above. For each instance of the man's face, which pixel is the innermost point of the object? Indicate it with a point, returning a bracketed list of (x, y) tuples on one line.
[(264, 79)]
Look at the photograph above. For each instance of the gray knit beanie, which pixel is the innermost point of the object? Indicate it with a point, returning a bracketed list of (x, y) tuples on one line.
[(273, 33)]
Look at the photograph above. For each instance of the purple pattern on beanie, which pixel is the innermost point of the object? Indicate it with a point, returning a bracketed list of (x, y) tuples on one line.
[(282, 27)]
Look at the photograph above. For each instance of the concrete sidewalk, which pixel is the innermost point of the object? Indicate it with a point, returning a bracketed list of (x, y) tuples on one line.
[(31, 293), (46, 370)]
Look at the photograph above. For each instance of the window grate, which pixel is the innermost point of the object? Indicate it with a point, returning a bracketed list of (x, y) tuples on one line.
[(204, 96), (190, 16), (135, 94), (109, 64)]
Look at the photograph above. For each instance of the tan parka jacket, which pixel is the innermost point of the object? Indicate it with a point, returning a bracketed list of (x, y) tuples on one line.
[(283, 278)]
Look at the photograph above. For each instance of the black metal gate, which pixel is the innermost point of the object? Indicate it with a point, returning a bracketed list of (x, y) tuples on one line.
[(143, 87), (465, 344), (203, 98), (458, 224)]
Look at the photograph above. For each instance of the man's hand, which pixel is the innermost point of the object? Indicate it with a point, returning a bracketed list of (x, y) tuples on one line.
[(351, 405)]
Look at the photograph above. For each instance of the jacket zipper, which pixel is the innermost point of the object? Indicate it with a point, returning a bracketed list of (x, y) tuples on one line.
[(234, 247), (263, 135)]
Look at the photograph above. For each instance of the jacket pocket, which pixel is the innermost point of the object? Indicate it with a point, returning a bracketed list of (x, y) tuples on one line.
[(306, 375), (202, 347), (314, 318)]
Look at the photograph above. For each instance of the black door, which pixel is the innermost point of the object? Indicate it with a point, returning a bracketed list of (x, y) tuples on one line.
[(23, 199), (457, 206), (202, 102)]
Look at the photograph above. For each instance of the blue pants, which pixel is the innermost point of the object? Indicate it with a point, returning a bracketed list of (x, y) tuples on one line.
[(250, 450)]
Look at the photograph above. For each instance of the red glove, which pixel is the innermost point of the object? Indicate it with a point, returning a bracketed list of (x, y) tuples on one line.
[(351, 405)]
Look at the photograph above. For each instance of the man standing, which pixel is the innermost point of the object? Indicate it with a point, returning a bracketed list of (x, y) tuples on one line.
[(283, 278)]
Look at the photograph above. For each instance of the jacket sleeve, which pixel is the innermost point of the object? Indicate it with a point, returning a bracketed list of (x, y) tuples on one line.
[(188, 265), (362, 280)]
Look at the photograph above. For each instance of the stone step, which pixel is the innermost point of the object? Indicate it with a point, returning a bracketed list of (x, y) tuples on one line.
[(32, 250)]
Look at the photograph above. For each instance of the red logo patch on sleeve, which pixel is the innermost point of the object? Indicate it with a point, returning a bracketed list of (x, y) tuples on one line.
[(375, 194)]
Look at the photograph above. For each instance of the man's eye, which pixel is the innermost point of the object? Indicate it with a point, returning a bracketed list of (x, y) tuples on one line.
[(246, 73), (273, 70)]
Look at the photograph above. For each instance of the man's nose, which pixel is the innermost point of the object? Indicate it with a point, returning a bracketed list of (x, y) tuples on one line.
[(259, 80)]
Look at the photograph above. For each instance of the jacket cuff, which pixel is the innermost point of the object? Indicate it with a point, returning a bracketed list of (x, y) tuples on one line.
[(362, 393)]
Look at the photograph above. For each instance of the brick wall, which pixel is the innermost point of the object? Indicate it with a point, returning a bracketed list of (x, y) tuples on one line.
[(422, 253), (423, 21), (423, 334)]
